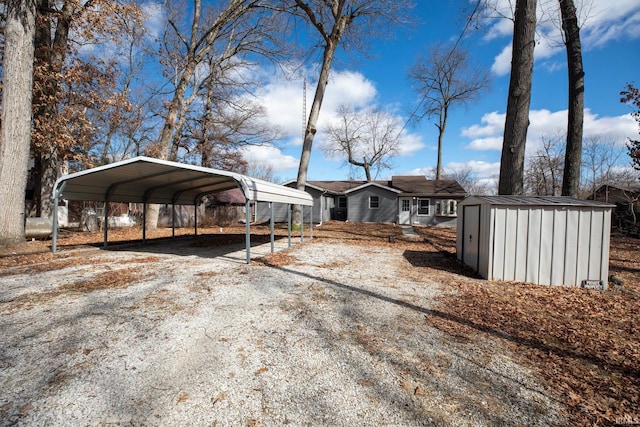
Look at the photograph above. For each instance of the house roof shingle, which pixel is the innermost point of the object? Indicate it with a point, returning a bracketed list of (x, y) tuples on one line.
[(408, 186), (421, 186)]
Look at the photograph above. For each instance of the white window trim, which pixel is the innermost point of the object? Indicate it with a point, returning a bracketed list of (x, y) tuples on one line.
[(378, 207), (428, 206)]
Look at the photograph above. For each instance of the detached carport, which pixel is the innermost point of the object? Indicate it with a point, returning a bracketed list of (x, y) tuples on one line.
[(147, 180)]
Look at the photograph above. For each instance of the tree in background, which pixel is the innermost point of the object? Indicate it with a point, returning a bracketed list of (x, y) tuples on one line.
[(519, 99), (66, 86), (346, 23), (445, 78), (17, 79), (224, 120), (543, 170), (601, 166), (368, 138), (573, 152), (631, 95), (203, 48), (468, 179)]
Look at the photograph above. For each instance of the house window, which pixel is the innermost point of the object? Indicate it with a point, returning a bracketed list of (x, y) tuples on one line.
[(406, 206), (342, 202), (452, 207), (374, 202), (423, 207), (439, 207)]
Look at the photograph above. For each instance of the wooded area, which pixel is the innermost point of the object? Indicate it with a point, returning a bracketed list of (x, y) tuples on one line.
[(115, 79)]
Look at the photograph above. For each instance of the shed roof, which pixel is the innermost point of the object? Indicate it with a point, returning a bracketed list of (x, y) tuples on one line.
[(533, 201), (148, 180)]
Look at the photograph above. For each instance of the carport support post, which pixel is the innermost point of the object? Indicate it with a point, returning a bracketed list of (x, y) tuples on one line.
[(54, 223), (311, 222), (144, 222), (301, 224), (247, 210), (289, 224), (105, 225), (173, 220), (195, 218), (271, 227)]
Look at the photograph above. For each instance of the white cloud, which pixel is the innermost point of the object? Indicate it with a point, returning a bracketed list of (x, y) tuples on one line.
[(602, 22), (282, 99), (410, 143), (269, 156), (492, 123), (502, 62), (154, 19), (545, 123), (609, 20), (492, 143), (484, 174), (482, 170)]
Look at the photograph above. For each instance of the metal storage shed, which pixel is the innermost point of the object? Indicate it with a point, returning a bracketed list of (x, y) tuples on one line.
[(148, 180), (542, 240)]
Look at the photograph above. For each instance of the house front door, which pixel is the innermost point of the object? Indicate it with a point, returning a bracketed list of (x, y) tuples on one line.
[(404, 209)]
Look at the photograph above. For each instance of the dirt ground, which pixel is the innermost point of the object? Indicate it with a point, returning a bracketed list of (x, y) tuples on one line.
[(350, 327)]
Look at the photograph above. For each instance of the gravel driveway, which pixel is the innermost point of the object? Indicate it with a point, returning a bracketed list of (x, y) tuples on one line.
[(177, 335)]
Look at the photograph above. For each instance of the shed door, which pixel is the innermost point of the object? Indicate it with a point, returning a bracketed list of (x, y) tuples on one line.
[(471, 236)]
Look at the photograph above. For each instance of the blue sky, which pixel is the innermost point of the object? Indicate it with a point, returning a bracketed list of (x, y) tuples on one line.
[(611, 46)]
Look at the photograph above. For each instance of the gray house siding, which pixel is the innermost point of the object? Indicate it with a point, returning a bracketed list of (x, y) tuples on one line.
[(322, 205), (358, 209), (435, 216), (355, 197)]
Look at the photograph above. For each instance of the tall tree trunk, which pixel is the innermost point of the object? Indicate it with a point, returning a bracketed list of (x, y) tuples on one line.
[(441, 128), (517, 117), (15, 142), (310, 131), (573, 152), (50, 54)]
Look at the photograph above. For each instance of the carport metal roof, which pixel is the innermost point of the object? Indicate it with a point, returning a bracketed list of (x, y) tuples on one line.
[(148, 180)]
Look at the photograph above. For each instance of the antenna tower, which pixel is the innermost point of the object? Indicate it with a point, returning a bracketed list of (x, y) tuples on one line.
[(304, 106)]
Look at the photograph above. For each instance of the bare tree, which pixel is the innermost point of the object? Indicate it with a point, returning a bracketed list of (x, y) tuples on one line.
[(543, 170), (469, 180), (631, 96), (445, 78), (368, 138), (224, 118), (600, 165), (17, 78), (519, 99), (573, 152), (346, 23), (212, 38)]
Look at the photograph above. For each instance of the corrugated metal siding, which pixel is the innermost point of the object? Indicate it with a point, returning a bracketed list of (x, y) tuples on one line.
[(551, 245), (486, 231)]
